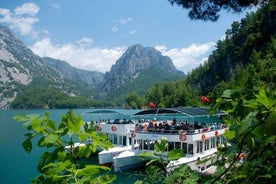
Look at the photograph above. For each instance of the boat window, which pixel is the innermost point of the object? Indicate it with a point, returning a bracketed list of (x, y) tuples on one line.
[(171, 146), (218, 139), (199, 146), (115, 139), (191, 149), (151, 145), (124, 140), (184, 147), (145, 144), (206, 147), (177, 145), (120, 140), (213, 142), (110, 138), (148, 145), (141, 143), (129, 141)]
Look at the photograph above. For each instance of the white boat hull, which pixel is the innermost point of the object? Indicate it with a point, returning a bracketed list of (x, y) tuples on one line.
[(128, 160), (106, 156)]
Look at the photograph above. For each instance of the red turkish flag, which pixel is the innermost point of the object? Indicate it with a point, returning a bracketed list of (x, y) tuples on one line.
[(204, 99), (152, 105)]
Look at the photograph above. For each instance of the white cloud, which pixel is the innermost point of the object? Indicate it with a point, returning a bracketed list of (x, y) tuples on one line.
[(132, 32), (125, 20), (93, 59), (114, 28), (85, 42), (186, 59), (101, 59), (27, 9), (56, 6), (21, 19), (121, 22)]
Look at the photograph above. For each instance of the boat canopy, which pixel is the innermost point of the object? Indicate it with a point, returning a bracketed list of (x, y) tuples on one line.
[(183, 111), (103, 111)]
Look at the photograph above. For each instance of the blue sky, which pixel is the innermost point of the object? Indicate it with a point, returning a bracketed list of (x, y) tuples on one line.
[(93, 34)]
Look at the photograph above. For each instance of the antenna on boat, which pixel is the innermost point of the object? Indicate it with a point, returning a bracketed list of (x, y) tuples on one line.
[(156, 112)]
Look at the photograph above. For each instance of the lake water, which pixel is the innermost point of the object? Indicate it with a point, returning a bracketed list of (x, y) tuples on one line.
[(18, 166)]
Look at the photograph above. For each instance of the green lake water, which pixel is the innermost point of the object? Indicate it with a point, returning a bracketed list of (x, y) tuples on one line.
[(18, 166)]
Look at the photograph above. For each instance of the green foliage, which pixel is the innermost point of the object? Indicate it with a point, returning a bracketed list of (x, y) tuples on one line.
[(156, 170), (61, 163), (133, 101), (183, 175), (45, 98), (252, 133), (247, 54), (208, 10), (173, 94)]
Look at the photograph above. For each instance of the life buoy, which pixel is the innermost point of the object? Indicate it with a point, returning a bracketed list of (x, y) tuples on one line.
[(113, 128), (182, 137), (99, 128), (203, 137), (216, 133), (133, 134)]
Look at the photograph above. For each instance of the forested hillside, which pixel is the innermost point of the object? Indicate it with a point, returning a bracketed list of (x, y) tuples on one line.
[(248, 46), (245, 58)]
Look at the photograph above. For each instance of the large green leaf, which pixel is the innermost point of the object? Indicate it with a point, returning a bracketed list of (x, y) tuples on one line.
[(51, 138), (58, 167), (230, 134), (27, 145), (264, 100), (161, 145), (50, 124), (248, 121), (175, 154)]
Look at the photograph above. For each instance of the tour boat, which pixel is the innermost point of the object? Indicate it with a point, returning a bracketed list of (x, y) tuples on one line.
[(197, 139)]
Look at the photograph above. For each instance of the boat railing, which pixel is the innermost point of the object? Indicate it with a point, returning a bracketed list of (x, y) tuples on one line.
[(176, 131)]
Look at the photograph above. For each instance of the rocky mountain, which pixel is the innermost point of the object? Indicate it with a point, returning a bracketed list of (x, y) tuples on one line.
[(21, 70), (138, 67), (19, 67), (65, 70)]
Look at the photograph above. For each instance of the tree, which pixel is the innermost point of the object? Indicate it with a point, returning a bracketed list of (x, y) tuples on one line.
[(209, 9), (155, 94), (61, 163), (134, 101), (252, 130)]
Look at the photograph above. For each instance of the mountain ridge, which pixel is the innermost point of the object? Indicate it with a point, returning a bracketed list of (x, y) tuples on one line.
[(22, 69), (136, 59)]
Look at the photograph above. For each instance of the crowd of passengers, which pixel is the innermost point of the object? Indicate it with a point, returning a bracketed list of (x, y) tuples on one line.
[(116, 121), (168, 127), (173, 126)]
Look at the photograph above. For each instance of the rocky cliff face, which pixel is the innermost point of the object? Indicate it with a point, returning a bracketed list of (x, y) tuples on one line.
[(20, 66), (66, 71), (132, 63), (14, 69)]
